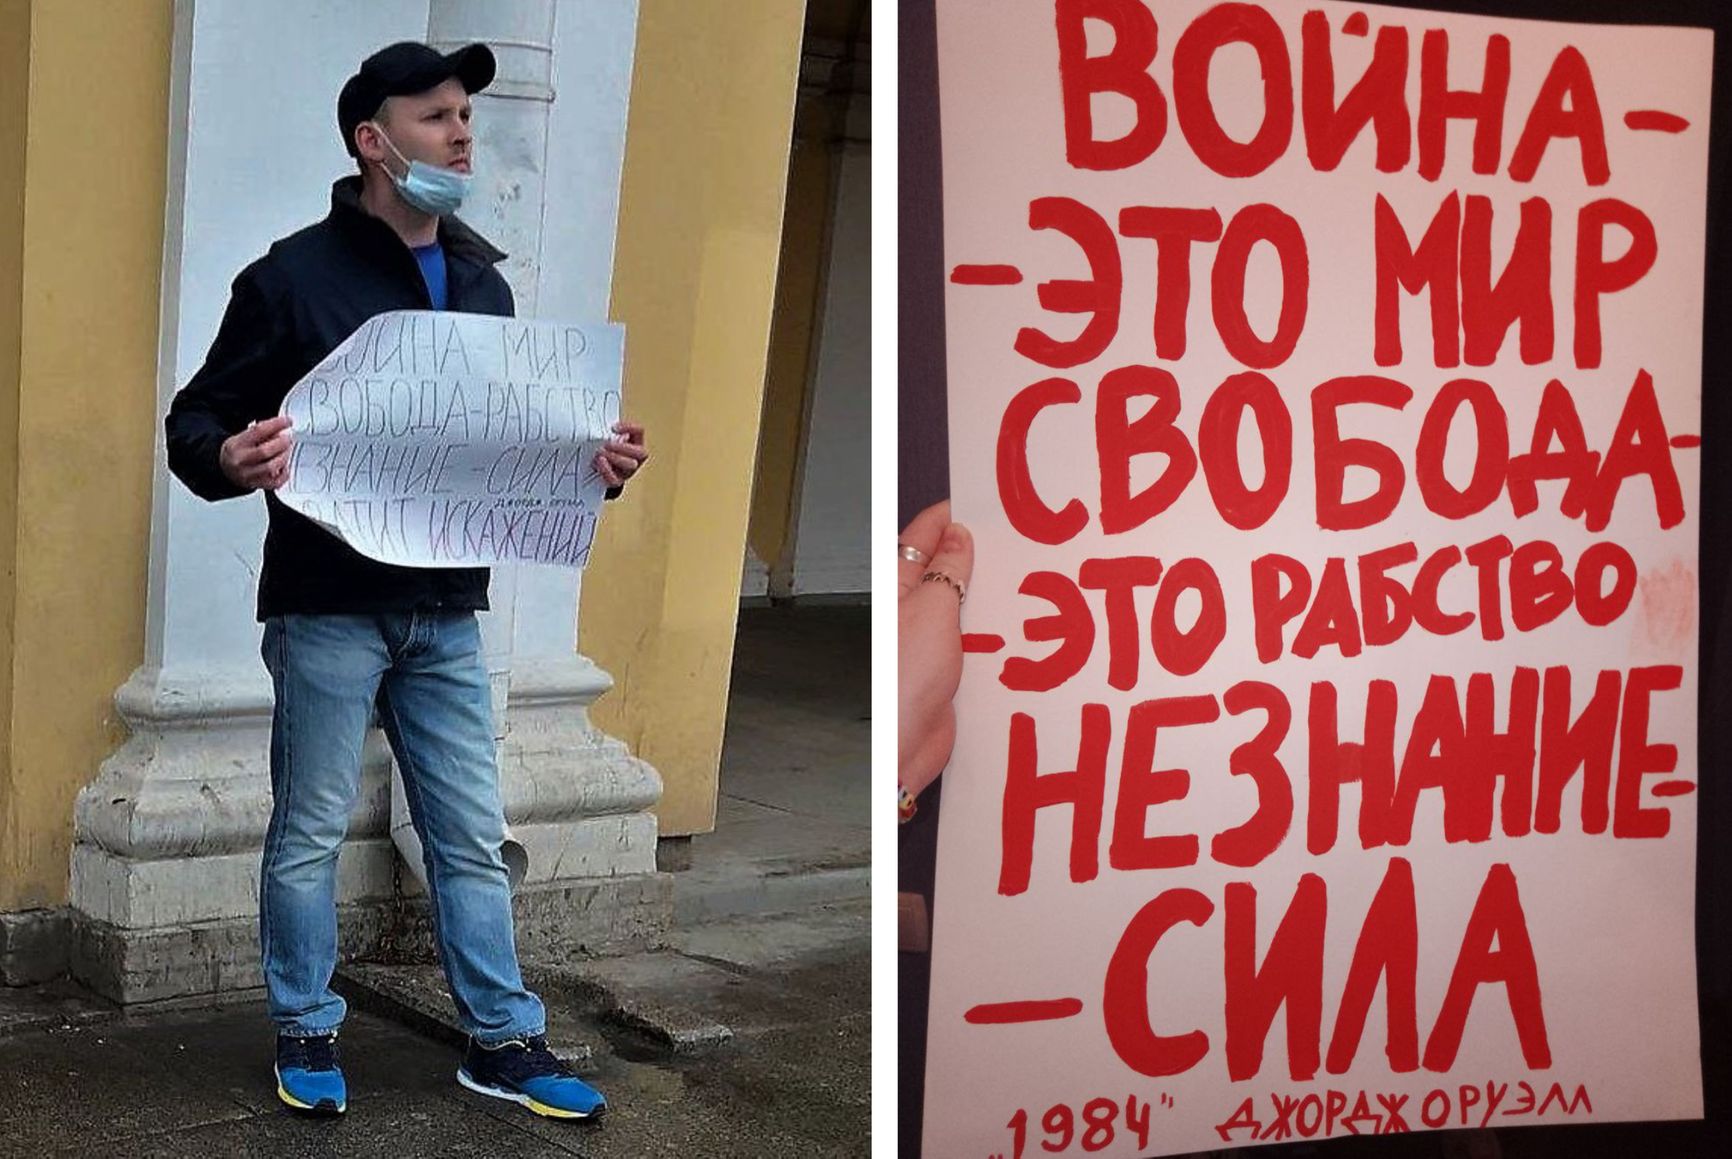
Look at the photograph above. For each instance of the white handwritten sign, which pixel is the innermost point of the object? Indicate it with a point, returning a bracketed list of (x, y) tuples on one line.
[(435, 439)]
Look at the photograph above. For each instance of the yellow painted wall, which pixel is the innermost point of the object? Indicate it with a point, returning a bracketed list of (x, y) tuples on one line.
[(14, 118), (707, 141), (88, 269), (799, 301)]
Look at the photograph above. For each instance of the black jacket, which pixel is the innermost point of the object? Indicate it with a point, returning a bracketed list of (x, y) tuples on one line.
[(286, 312)]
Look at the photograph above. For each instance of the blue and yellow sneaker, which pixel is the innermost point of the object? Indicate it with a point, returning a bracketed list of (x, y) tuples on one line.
[(525, 1071), (308, 1077)]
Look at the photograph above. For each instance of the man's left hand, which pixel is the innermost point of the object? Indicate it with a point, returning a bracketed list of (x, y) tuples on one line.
[(620, 457)]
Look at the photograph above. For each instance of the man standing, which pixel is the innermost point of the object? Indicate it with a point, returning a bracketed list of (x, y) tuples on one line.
[(344, 635)]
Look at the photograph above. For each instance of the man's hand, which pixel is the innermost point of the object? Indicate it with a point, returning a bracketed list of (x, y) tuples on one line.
[(258, 457), (619, 459)]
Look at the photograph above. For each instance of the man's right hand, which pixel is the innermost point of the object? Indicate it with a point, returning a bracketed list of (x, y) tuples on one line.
[(258, 457)]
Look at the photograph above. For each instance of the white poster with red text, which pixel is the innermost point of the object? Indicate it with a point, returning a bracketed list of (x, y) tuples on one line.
[(1325, 390)]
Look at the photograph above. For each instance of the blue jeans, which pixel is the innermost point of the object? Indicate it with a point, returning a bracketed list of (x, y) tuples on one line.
[(423, 671)]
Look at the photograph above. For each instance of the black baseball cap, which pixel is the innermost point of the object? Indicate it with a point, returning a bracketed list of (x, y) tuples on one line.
[(403, 69)]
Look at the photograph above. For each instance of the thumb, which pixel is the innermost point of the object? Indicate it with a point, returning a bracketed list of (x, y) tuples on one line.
[(955, 554)]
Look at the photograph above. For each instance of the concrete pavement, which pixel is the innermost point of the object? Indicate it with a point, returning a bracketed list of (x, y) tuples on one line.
[(793, 818), (794, 1079), (746, 1034)]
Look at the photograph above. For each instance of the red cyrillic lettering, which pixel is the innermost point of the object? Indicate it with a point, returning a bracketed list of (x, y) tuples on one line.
[(1640, 446), (1258, 758), (1491, 455), (1071, 623), (1183, 653), (1569, 80), (1539, 588), (1585, 744), (1119, 439), (1486, 556), (1142, 786), (1119, 579), (1123, 70), (1432, 265), (1332, 618), (1217, 27), (1335, 454), (1439, 104), (1426, 611), (1637, 758), (1125, 1001), (1291, 975), (1334, 762), (1377, 98), (1218, 449), (1097, 296), (1557, 421), (1433, 759), (1388, 947), (1271, 608), (1497, 917), (1173, 231), (1523, 292), (1596, 276), (1508, 755), (1385, 605), (1023, 507), (1596, 606), (1027, 790), (1249, 226)]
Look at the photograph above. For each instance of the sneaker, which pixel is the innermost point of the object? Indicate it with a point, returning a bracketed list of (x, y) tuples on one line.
[(525, 1071), (308, 1077)]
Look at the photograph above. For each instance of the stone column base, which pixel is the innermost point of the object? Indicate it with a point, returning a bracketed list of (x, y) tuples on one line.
[(33, 945), (167, 838), (567, 918)]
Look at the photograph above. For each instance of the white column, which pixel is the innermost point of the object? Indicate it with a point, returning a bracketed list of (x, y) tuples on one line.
[(167, 836), (576, 799)]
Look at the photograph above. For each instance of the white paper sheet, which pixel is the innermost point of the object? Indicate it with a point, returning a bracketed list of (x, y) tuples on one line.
[(434, 439), (1108, 976)]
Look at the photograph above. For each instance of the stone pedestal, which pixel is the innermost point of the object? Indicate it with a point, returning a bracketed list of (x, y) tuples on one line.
[(165, 866)]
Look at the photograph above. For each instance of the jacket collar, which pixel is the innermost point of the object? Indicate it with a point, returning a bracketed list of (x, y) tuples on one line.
[(458, 239)]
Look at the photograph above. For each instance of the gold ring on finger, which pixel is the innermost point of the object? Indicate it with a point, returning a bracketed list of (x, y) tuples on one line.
[(940, 577)]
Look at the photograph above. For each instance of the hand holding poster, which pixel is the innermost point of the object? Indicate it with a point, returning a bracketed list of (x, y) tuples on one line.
[(1324, 398), (437, 439)]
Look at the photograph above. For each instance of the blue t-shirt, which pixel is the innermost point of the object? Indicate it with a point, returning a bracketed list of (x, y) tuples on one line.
[(431, 258)]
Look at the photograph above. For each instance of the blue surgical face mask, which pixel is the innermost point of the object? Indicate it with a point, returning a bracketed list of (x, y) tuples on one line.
[(429, 188)]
